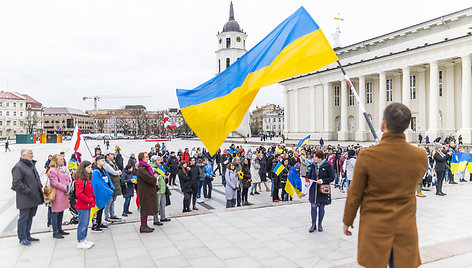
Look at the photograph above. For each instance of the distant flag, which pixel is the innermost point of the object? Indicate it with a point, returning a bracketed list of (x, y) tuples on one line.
[(161, 170), (169, 123), (77, 140), (217, 107), (304, 141), (278, 168), (268, 154)]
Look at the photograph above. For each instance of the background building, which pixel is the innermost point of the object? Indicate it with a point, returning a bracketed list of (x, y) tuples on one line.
[(256, 118), (273, 122), (63, 120), (19, 114), (426, 66)]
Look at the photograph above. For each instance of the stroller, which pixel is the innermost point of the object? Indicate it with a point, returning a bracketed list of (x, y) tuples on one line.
[(72, 200)]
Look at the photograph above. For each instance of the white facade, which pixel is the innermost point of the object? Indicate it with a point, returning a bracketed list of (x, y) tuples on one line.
[(426, 67), (12, 115), (273, 122)]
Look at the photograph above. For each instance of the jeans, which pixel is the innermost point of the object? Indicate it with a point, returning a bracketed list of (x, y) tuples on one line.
[(110, 208), (161, 199), (49, 216), (207, 187), (200, 185), (238, 197), (126, 204), (320, 208), (84, 217), (57, 221), (25, 220), (254, 188), (348, 182)]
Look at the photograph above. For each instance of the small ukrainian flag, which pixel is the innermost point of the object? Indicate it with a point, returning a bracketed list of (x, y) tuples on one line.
[(161, 170), (304, 141), (278, 168)]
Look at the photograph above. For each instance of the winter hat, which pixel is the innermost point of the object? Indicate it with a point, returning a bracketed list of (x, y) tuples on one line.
[(351, 152), (437, 146), (297, 165)]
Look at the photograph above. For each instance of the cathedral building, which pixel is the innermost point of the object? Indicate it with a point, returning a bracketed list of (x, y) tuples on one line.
[(426, 66)]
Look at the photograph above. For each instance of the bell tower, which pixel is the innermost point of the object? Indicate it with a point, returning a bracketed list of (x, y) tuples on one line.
[(231, 43)]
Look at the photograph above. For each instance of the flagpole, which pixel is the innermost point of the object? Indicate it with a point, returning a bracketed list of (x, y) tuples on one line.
[(88, 148), (361, 105)]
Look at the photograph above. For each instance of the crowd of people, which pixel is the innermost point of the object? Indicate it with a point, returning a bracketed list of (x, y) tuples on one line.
[(90, 189)]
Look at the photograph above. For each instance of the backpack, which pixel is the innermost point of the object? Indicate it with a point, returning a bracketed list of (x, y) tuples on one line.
[(72, 193)]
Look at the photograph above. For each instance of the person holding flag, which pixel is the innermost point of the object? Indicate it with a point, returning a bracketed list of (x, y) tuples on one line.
[(278, 167), (294, 182), (103, 191), (321, 173)]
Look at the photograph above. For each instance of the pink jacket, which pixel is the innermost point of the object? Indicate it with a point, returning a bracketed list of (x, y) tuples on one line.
[(60, 181)]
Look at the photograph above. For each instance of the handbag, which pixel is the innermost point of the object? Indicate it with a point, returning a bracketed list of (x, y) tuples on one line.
[(49, 192), (325, 189)]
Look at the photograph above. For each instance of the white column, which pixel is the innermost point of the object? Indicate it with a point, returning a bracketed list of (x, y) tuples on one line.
[(406, 86), (466, 130), (342, 135), (286, 111), (421, 95), (449, 90), (382, 96), (296, 109), (312, 109), (328, 107), (433, 99), (326, 111)]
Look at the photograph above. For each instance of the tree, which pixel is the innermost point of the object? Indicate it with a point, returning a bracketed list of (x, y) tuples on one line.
[(30, 123), (100, 126)]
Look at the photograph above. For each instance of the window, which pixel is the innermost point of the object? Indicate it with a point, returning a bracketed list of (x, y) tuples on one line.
[(8, 123), (8, 113), (14, 113), (1, 113), (1, 123), (351, 97), (14, 104), (412, 87), (0, 104), (413, 123), (389, 89), (336, 96), (21, 113), (14, 123), (228, 62), (8, 104), (368, 91), (21, 105), (219, 66), (440, 84), (228, 42)]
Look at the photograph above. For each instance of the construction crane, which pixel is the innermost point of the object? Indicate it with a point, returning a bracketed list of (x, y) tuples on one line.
[(97, 98)]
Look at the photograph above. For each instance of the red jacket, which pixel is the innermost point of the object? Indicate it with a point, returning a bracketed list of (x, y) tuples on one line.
[(185, 157), (85, 197)]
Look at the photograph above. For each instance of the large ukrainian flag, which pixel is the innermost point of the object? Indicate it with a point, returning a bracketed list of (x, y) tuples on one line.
[(217, 107)]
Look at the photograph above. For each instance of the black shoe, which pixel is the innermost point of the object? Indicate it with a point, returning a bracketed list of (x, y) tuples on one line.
[(58, 236), (251, 194), (129, 212), (257, 193), (63, 233), (103, 226), (158, 223), (96, 230), (320, 228), (25, 242), (313, 228), (437, 193), (115, 218), (443, 193), (124, 214), (165, 219), (32, 239)]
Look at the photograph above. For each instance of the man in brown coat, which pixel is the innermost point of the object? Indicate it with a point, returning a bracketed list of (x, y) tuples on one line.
[(384, 185)]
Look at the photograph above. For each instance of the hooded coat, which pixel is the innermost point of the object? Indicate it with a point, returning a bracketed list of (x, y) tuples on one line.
[(147, 191)]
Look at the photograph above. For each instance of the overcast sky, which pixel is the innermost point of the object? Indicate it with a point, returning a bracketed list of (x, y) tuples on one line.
[(60, 51)]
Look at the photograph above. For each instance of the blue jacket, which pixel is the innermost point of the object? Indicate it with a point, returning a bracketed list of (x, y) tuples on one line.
[(102, 191), (209, 170)]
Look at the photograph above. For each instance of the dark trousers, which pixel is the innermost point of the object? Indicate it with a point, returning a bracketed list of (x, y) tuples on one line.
[(390, 262), (57, 221), (98, 220), (317, 212), (440, 178), (25, 220), (194, 198), (218, 167), (238, 197), (207, 187), (284, 193), (230, 203), (126, 204), (172, 179), (223, 179), (49, 216), (244, 194), (186, 202), (275, 193)]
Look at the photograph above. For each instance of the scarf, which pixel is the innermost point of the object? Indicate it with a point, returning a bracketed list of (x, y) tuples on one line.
[(148, 166), (321, 163)]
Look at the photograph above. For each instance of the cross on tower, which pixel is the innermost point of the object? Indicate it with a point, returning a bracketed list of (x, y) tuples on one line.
[(339, 19)]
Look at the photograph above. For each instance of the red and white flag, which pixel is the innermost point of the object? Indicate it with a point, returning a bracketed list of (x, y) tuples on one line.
[(77, 140), (169, 123)]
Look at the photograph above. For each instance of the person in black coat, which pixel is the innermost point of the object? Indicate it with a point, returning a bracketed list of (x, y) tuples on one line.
[(283, 176), (195, 178), (29, 194), (321, 172), (185, 182), (263, 170), (218, 162), (173, 165), (127, 189), (440, 158), (119, 160), (275, 179)]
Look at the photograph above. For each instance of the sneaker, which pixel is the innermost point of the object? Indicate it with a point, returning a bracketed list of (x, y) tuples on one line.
[(115, 218), (103, 226), (257, 193), (124, 215), (25, 242), (96, 230), (129, 212), (251, 194), (108, 220), (83, 245), (420, 195), (89, 242)]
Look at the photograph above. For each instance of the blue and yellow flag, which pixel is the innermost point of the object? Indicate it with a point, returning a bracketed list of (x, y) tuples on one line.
[(304, 141), (278, 168), (459, 162), (161, 170), (217, 107), (455, 163), (294, 183)]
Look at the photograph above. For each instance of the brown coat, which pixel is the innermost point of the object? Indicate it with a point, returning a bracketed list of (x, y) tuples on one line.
[(147, 191), (384, 185)]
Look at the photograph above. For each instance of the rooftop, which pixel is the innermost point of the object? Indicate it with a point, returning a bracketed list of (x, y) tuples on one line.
[(63, 110)]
